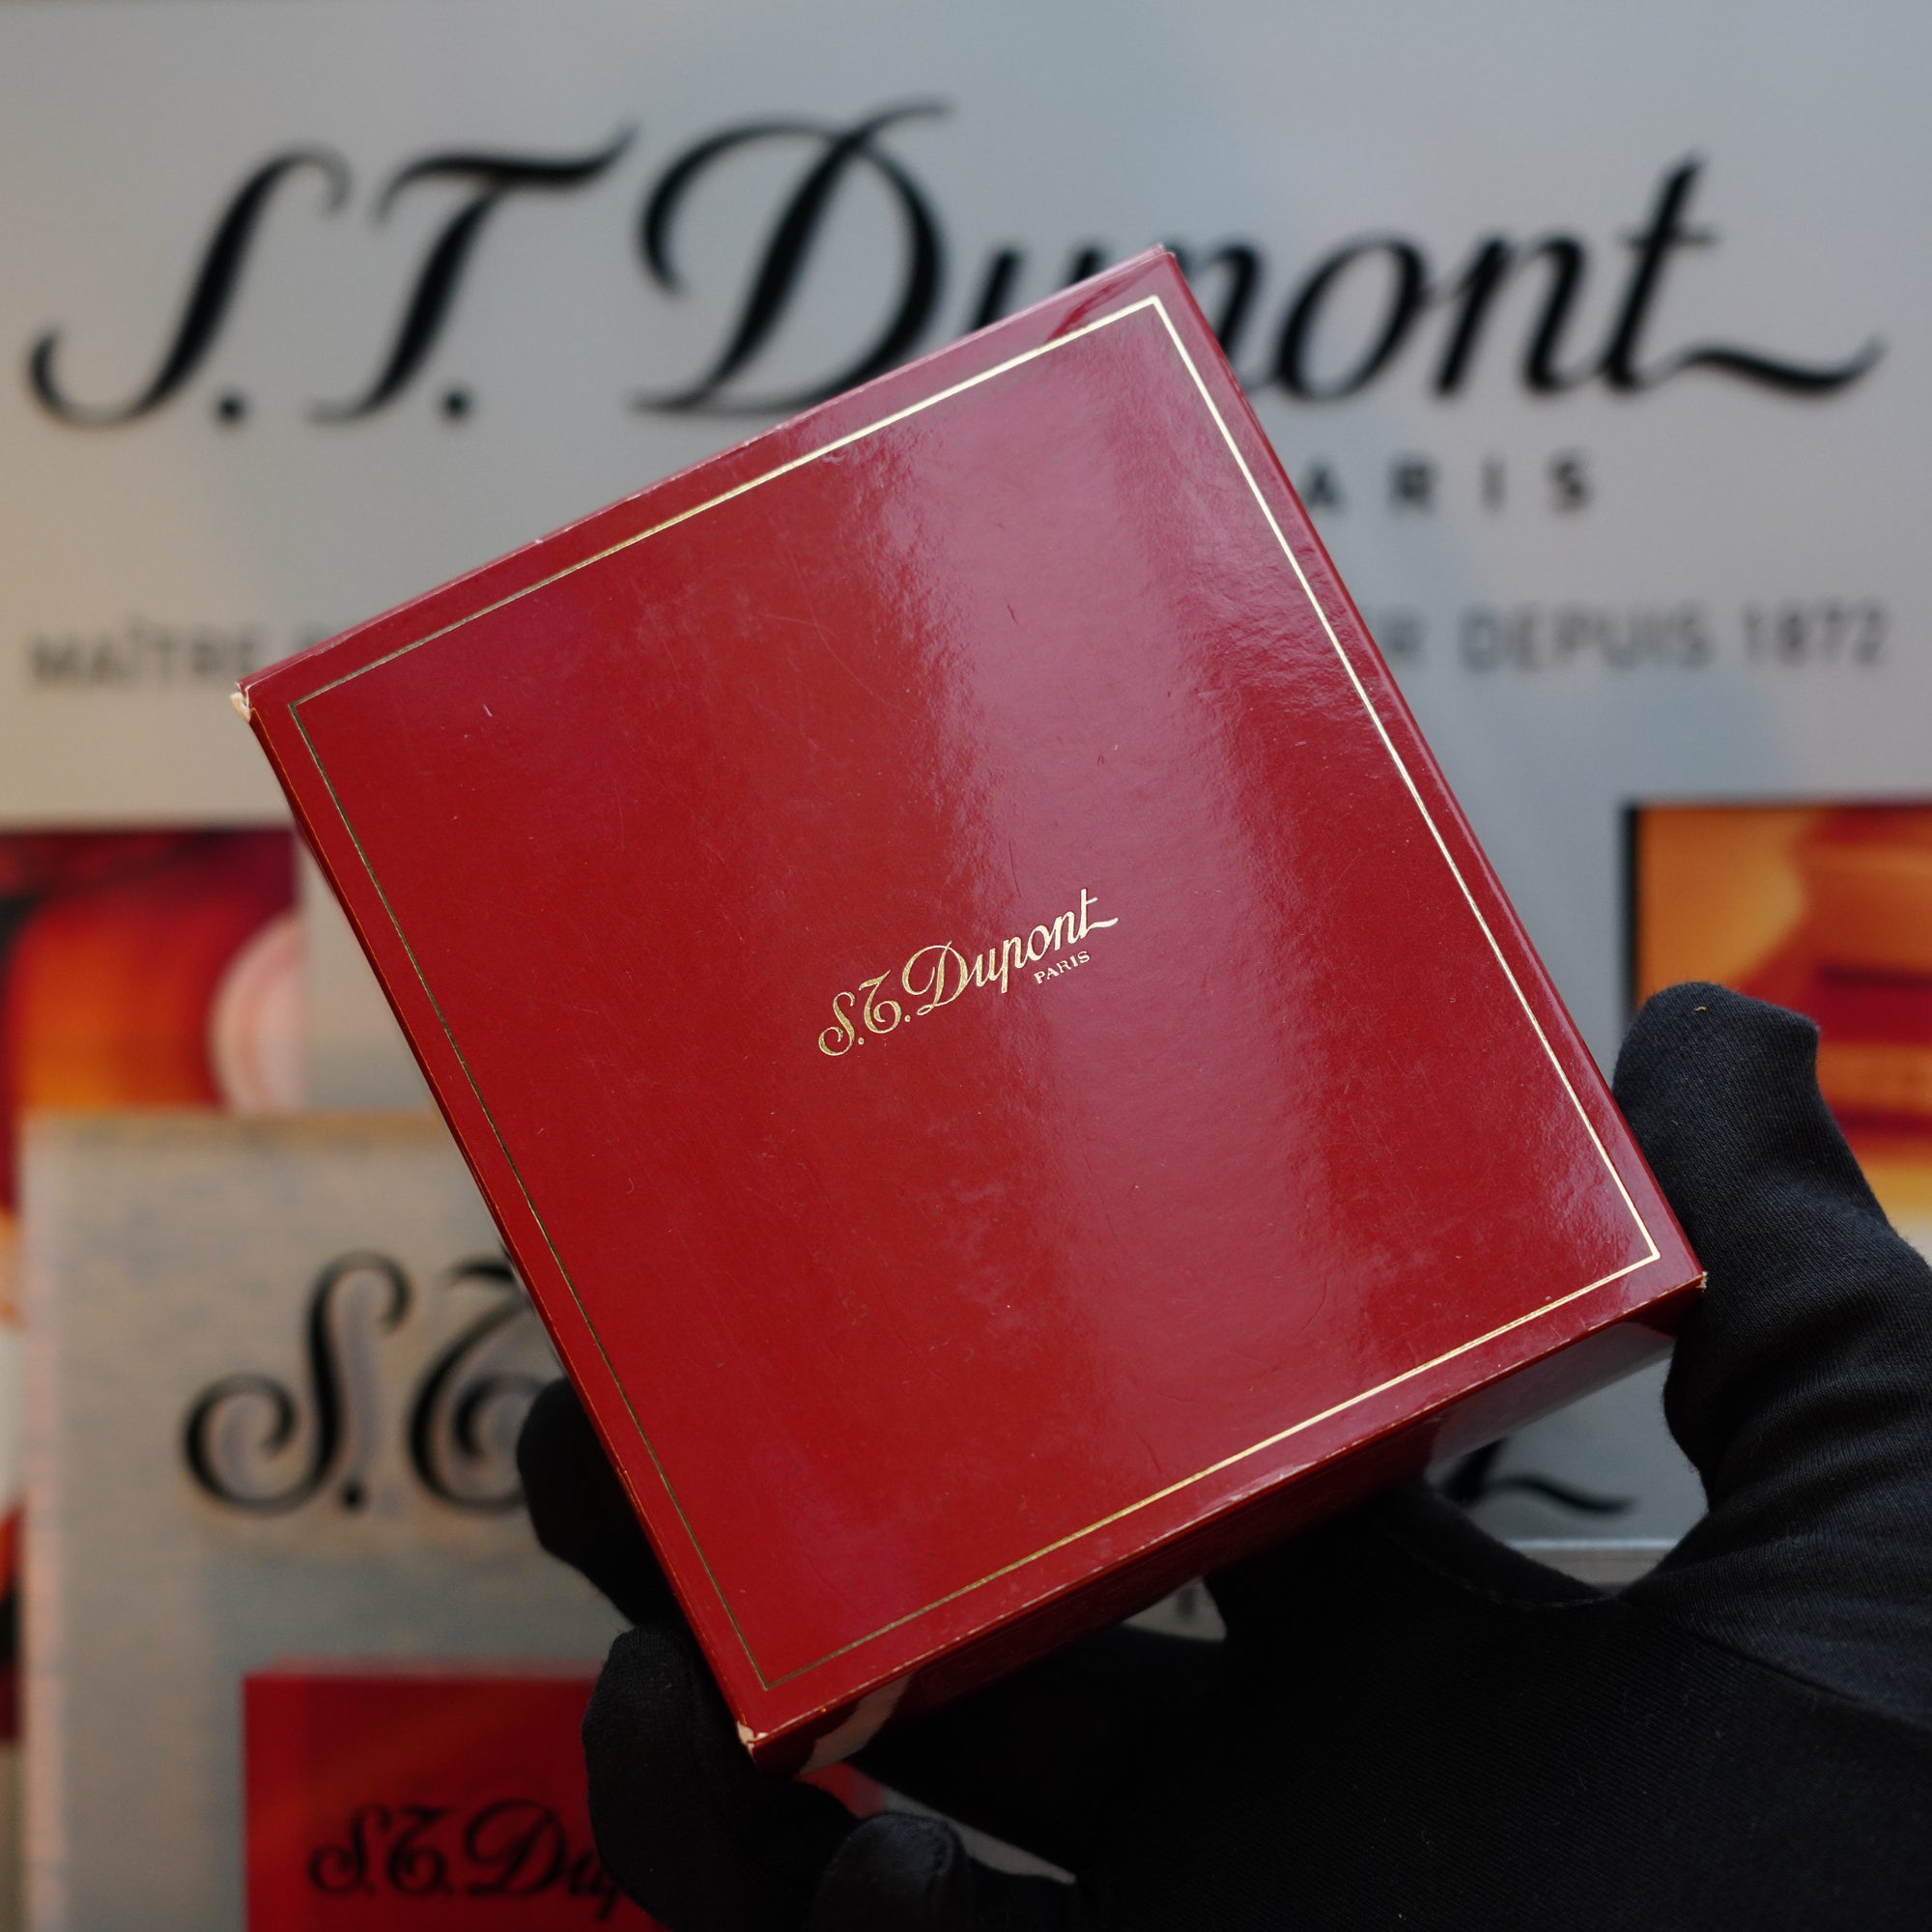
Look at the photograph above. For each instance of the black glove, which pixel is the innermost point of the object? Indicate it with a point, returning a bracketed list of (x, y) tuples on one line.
[(1409, 1726)]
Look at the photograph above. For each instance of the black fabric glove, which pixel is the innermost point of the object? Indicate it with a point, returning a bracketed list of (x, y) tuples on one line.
[(1409, 1726)]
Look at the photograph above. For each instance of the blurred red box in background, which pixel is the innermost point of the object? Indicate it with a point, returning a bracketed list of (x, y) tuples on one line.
[(401, 1795)]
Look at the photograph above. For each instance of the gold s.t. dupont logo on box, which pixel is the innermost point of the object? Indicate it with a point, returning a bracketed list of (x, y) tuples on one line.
[(935, 976)]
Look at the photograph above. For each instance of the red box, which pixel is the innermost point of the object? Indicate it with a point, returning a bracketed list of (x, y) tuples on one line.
[(430, 1797), (977, 1015), (420, 1798)]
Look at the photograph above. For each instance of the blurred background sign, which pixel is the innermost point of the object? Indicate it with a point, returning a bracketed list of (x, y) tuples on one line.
[(1591, 341), (1594, 339), (275, 1373)]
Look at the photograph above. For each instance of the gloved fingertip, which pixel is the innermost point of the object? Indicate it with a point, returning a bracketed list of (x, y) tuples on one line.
[(901, 1873), (578, 1509), (553, 1435), (894, 1871), (683, 1821), (1684, 1035), (1722, 1092)]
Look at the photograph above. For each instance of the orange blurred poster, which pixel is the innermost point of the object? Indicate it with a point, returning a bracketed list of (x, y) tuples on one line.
[(1825, 909), (137, 969)]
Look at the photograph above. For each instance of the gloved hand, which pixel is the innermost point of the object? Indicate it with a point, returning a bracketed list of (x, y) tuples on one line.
[(1408, 1724)]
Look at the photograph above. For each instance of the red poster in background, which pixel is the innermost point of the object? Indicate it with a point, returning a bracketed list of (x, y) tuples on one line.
[(437, 1801), (137, 969)]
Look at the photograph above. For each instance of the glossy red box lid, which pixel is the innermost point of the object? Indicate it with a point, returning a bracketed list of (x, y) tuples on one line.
[(977, 1017)]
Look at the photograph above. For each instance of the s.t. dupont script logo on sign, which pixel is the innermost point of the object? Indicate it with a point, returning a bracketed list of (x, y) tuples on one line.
[(252, 1443), (935, 976), (1332, 326)]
